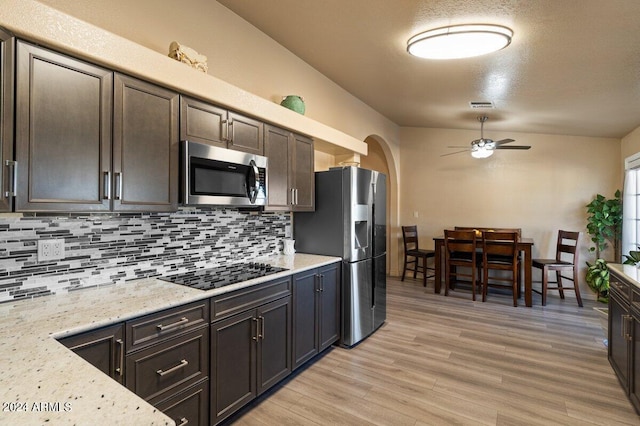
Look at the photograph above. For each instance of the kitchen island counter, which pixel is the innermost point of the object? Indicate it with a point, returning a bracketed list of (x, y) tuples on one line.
[(44, 382)]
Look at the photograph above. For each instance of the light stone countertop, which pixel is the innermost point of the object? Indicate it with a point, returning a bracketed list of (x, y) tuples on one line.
[(43, 382)]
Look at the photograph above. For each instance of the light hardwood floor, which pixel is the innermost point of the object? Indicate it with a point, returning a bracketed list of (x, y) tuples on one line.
[(447, 360)]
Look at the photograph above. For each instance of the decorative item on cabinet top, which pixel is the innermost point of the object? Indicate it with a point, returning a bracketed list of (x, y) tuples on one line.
[(294, 103), (188, 56)]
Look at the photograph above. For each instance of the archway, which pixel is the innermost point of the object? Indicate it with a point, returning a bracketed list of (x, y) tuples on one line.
[(380, 158)]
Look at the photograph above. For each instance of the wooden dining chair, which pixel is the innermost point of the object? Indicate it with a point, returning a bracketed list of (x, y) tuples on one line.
[(500, 253), (566, 261), (460, 252), (415, 258)]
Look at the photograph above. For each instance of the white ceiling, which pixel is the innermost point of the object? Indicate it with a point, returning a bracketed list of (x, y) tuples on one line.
[(573, 67)]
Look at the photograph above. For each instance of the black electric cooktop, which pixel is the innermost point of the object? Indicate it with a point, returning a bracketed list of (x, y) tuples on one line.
[(220, 276)]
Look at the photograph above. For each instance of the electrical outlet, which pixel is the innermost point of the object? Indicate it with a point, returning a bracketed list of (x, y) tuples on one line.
[(50, 249)]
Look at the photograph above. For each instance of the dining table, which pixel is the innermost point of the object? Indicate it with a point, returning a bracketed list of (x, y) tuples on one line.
[(524, 246)]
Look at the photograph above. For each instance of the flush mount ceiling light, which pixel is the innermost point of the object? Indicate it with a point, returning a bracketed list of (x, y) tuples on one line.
[(459, 41)]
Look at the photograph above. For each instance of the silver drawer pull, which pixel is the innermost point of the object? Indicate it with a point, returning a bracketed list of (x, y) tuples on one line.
[(182, 321), (183, 421), (183, 363)]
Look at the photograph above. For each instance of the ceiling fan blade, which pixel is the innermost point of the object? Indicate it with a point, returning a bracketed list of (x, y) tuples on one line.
[(458, 146), (514, 147), (457, 152), (503, 141)]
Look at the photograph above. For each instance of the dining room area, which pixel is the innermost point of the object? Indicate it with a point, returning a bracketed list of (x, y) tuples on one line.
[(536, 193)]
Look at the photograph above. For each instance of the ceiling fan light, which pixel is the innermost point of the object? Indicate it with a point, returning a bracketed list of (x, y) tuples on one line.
[(481, 152), (459, 41)]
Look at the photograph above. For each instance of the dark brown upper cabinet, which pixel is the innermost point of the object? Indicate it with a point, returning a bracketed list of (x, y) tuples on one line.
[(145, 146), (63, 132), (291, 172), (6, 121), (212, 125), (85, 144)]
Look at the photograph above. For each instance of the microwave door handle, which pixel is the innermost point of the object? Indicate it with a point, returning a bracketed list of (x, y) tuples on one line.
[(254, 176)]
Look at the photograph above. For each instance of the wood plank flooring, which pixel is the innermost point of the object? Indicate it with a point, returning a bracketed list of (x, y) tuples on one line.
[(450, 361)]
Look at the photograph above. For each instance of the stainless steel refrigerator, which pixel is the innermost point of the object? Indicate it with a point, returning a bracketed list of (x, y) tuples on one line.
[(350, 222)]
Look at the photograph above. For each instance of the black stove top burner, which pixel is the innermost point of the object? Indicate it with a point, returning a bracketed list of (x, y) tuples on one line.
[(210, 278)]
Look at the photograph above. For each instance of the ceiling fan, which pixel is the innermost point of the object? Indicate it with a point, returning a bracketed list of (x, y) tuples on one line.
[(483, 148)]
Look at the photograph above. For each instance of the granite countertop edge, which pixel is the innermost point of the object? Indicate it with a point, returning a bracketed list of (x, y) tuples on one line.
[(44, 382)]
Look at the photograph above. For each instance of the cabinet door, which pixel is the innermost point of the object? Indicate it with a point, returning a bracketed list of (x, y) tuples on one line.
[(274, 343), (277, 150), (202, 122), (305, 315), (188, 407), (618, 347), (634, 381), (233, 364), (303, 174), (102, 348), (6, 119), (145, 148), (329, 307), (245, 134), (63, 131)]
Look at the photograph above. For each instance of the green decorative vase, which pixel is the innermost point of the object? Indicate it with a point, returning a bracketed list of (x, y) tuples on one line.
[(294, 103)]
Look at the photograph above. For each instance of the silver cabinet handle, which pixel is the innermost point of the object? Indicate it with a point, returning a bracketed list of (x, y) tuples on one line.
[(230, 130), (14, 184), (255, 336), (182, 321), (261, 335), (224, 130), (183, 363), (106, 185), (183, 421), (118, 186), (316, 283), (292, 193), (120, 343), (321, 282)]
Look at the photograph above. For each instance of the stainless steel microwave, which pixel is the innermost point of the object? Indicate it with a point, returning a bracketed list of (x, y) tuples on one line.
[(221, 177)]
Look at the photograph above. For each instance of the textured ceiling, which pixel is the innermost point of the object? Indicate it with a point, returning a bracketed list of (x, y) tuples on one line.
[(573, 66)]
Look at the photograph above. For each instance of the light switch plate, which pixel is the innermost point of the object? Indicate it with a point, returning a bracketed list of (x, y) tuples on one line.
[(50, 249)]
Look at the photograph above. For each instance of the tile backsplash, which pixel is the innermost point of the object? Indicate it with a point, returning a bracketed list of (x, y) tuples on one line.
[(106, 249)]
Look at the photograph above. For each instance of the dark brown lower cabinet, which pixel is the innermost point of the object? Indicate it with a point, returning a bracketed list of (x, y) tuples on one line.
[(316, 311), (250, 352), (624, 335), (103, 348), (201, 372), (169, 366), (188, 407)]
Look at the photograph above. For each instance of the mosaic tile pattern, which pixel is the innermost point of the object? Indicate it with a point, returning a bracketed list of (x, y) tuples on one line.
[(110, 249)]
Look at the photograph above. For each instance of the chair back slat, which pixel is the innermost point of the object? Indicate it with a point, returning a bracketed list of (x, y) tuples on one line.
[(567, 246), (500, 243), (410, 237), (459, 241)]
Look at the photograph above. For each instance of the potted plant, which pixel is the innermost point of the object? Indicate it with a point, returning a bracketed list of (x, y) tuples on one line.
[(598, 279), (633, 258), (604, 225)]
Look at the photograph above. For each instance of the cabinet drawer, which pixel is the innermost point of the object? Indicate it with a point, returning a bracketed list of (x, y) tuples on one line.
[(153, 328), (188, 407), (620, 287), (170, 365), (235, 302), (635, 298)]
